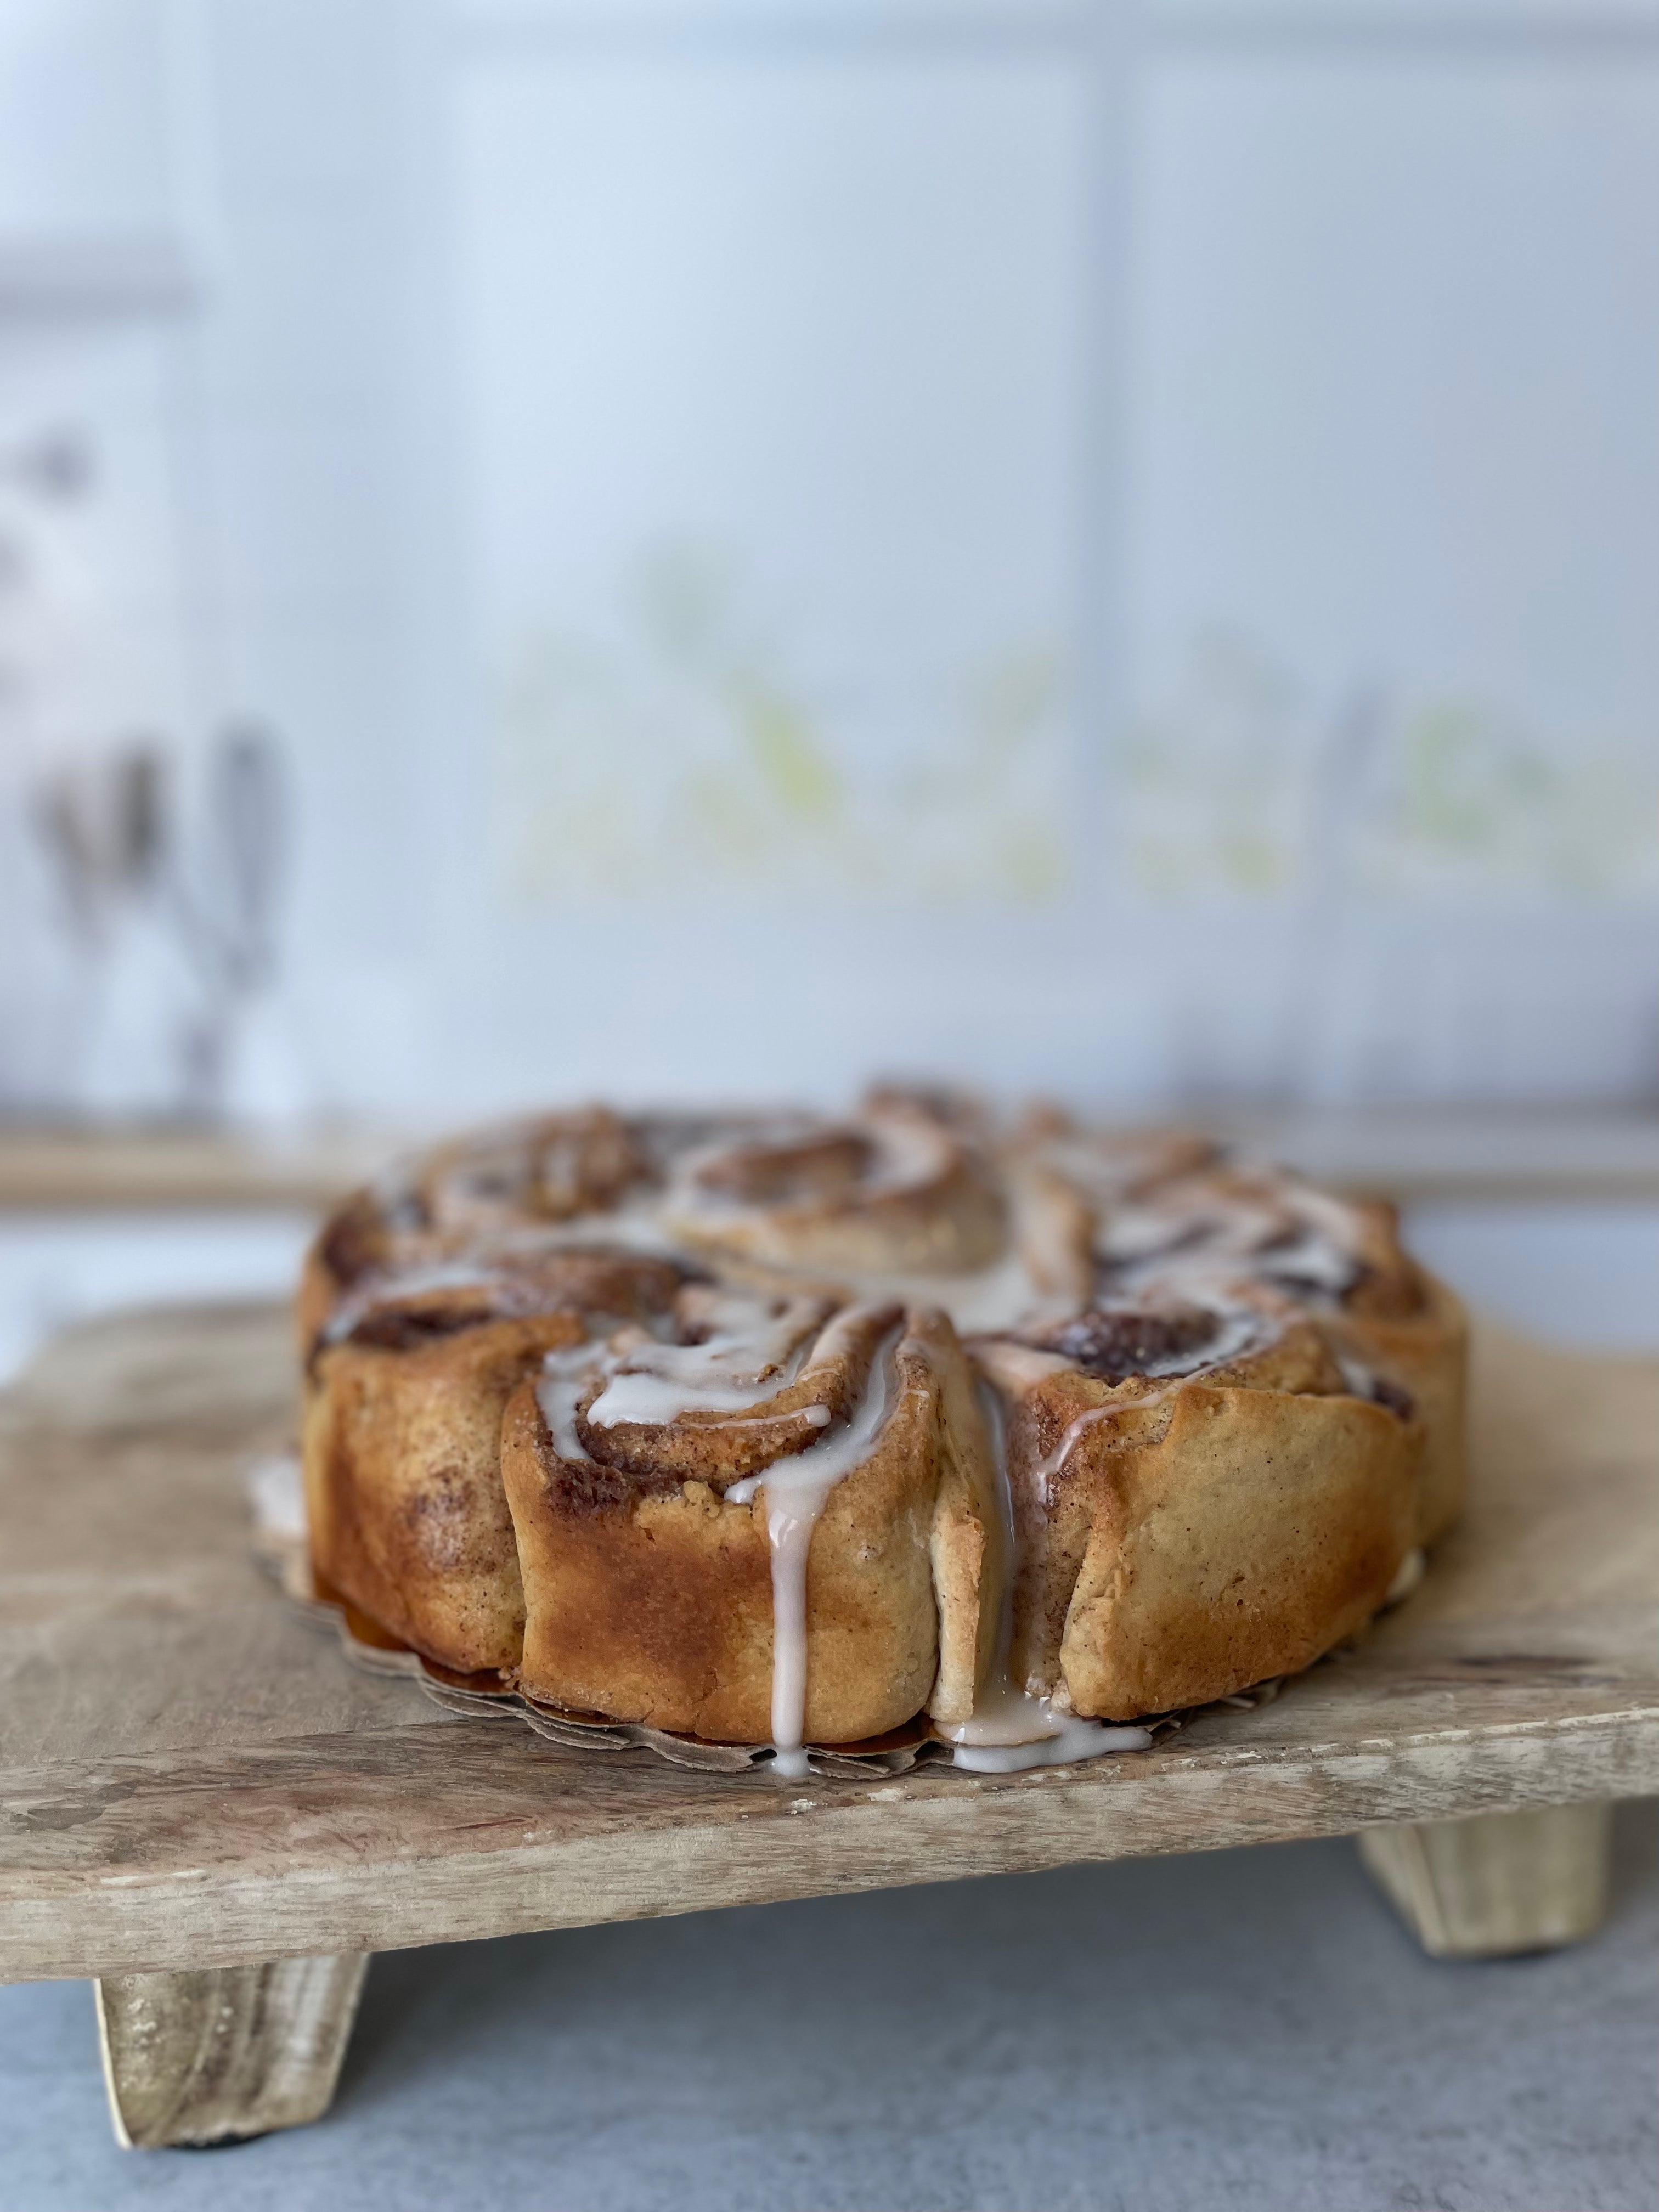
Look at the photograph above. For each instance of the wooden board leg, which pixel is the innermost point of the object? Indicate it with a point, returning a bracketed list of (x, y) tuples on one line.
[(1498, 1884), (234, 2051)]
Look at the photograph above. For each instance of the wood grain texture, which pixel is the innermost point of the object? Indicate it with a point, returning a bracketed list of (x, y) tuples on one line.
[(191, 1777), (1497, 1885), (196, 2058)]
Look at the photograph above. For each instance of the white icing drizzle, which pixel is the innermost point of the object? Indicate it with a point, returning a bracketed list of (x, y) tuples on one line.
[(654, 1383), (796, 1490), (565, 1376), (911, 1151), (1050, 1465), (1242, 1330), (979, 1303), (1013, 1728), (735, 1368), (1007, 1738), (1217, 1233), (633, 1226), (1103, 1171), (1360, 1379), (732, 1369), (490, 1257)]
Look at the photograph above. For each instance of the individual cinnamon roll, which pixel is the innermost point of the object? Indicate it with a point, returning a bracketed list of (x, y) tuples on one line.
[(401, 1436), (773, 1523), (894, 1190), (1197, 1500), (1064, 1180), (552, 1169), (1088, 1231)]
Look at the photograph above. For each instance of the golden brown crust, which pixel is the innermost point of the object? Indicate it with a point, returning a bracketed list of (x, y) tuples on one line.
[(1424, 1353), (402, 1458), (1184, 1510), (651, 1600), (400, 1438), (969, 1542), (1257, 1531), (1131, 1498)]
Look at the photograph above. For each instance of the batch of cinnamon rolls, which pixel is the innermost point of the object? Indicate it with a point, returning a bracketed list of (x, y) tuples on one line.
[(763, 1428)]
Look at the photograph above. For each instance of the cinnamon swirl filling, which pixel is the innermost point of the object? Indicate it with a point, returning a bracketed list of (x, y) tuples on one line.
[(896, 1190), (732, 1527)]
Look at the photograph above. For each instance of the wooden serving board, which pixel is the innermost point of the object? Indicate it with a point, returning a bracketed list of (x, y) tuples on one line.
[(192, 1776)]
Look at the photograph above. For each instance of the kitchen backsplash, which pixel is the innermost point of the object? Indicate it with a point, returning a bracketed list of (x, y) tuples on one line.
[(1082, 550)]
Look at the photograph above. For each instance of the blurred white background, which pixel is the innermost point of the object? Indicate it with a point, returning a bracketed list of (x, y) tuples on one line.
[(1072, 544), (696, 546)]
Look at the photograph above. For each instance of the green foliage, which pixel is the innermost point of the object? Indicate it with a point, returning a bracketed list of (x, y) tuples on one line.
[(679, 752)]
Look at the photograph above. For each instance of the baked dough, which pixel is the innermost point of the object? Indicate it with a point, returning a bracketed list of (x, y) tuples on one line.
[(896, 1189), (1198, 1499), (1112, 1211), (401, 1435), (753, 1426), (653, 1592)]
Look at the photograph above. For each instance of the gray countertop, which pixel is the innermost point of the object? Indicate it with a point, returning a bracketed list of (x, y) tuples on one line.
[(1250, 2029)]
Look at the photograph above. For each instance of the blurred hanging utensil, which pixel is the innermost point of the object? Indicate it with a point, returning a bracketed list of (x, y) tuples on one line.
[(247, 829), (178, 935), (241, 1060), (104, 826), (107, 826)]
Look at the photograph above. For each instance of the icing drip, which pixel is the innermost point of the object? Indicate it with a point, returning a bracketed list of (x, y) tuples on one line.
[(796, 1490), (1117, 1342), (1013, 1728), (564, 1377), (1047, 1467), (733, 1369), (1015, 1731)]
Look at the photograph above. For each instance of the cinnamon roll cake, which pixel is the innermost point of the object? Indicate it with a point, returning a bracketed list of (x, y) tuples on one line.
[(762, 1427)]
